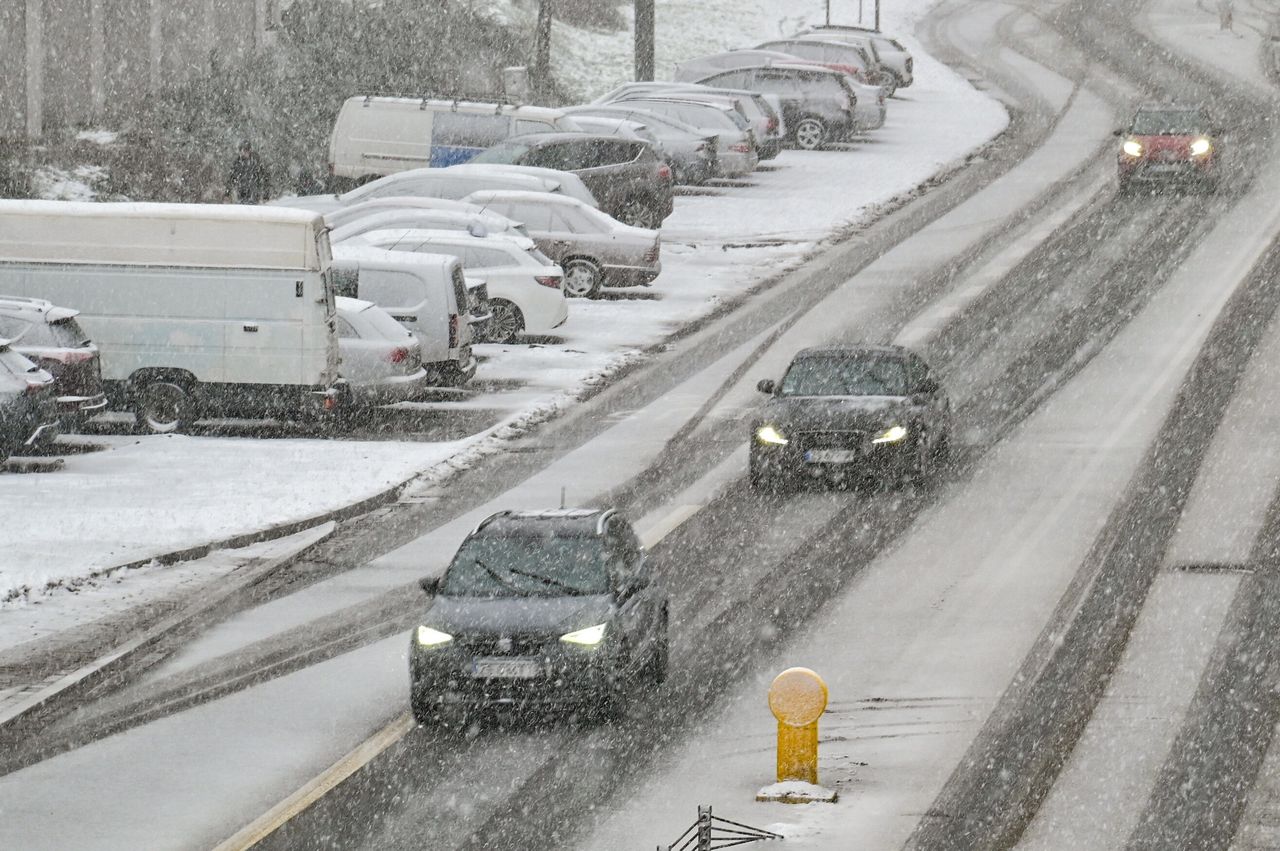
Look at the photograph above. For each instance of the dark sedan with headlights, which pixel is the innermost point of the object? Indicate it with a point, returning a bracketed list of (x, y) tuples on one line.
[(846, 413), (1165, 144), (540, 609)]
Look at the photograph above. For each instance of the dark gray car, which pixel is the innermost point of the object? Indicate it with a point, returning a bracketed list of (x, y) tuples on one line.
[(850, 412), (28, 407), (540, 609), (817, 103)]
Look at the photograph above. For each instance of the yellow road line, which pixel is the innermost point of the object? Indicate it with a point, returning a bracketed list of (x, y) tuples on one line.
[(319, 786)]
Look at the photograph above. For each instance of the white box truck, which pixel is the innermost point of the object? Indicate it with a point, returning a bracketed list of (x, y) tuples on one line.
[(197, 308)]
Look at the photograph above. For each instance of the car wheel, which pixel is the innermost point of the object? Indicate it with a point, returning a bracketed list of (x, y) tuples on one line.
[(453, 375), (582, 278), (505, 322), (164, 407), (811, 134)]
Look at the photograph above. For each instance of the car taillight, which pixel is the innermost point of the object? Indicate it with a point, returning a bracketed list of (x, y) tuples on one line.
[(772, 124), (398, 354), (664, 171), (552, 281), (68, 357), (453, 330)]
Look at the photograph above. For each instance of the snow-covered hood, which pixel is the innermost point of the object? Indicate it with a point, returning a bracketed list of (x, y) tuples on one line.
[(516, 616)]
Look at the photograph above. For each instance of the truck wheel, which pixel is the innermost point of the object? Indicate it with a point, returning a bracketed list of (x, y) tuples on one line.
[(582, 278), (164, 407)]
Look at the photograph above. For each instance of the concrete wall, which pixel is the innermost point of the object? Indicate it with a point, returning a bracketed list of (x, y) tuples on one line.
[(63, 62)]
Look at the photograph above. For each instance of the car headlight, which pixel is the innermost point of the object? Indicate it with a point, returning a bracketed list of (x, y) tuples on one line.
[(892, 434), (428, 637), (1132, 147), (1200, 147), (589, 637), (769, 434)]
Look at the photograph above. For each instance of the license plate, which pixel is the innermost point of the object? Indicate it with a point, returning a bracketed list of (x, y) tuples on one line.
[(509, 669), (1167, 167), (831, 456)]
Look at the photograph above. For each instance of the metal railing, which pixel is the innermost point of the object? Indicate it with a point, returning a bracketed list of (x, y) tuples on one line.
[(711, 832)]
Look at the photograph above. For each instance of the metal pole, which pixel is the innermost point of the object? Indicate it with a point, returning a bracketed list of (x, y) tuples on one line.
[(828, 12), (704, 828), (644, 39), (877, 15)]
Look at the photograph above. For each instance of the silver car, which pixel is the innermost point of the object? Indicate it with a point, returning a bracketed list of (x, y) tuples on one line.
[(736, 154), (427, 220), (381, 359), (690, 152), (594, 249)]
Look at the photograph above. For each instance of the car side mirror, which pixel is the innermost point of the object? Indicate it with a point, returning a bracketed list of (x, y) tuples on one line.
[(627, 588), (767, 385), (430, 584), (1218, 131), (1117, 132)]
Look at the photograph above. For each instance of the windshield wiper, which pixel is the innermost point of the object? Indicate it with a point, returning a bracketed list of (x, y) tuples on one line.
[(547, 580), (498, 576)]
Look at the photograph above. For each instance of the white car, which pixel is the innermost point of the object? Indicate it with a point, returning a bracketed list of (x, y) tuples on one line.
[(426, 183), (381, 359), (402, 203), (570, 183), (526, 293), (482, 223)]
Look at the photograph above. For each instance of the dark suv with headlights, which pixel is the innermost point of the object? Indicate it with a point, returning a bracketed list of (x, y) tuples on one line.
[(540, 609), (850, 412)]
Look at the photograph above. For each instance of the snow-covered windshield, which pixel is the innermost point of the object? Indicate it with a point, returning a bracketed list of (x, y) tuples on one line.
[(527, 566), (1169, 122)]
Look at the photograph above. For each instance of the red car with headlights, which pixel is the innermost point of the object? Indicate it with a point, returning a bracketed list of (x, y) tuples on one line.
[(1167, 144)]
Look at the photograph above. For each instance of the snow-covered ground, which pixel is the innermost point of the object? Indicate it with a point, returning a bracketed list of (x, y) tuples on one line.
[(148, 496)]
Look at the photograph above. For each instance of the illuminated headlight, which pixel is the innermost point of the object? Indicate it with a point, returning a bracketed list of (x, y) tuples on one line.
[(1132, 147), (1200, 147), (891, 435), (428, 637), (589, 637), (769, 434)]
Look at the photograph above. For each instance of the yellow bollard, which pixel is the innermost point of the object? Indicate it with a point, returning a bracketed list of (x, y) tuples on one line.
[(797, 698)]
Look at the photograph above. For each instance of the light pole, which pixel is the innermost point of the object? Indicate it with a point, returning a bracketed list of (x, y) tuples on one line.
[(829, 11), (644, 39)]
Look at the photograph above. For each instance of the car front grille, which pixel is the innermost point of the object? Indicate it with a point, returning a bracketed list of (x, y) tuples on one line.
[(832, 439), (491, 645)]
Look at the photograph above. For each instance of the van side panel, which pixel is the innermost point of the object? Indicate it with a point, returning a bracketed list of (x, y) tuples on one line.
[(380, 138), (405, 291), (233, 327)]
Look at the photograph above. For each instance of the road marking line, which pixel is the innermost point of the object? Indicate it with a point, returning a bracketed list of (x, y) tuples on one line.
[(668, 524), (319, 786)]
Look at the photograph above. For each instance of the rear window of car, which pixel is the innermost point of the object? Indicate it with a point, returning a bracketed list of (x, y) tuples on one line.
[(13, 328), (392, 289), (509, 153), (62, 334)]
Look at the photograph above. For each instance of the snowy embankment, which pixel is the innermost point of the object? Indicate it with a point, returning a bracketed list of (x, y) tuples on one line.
[(149, 496)]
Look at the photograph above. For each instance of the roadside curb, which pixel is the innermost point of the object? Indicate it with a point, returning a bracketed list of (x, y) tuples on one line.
[(72, 686)]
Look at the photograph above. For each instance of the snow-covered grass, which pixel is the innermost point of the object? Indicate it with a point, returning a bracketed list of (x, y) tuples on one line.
[(77, 184), (152, 495), (146, 496)]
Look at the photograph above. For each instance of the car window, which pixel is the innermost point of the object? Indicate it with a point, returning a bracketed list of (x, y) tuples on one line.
[(528, 125), (575, 221), (535, 216), (527, 566), (1168, 122), (345, 330), (468, 129), (485, 258), (730, 80), (508, 153), (869, 375), (13, 328), (557, 155)]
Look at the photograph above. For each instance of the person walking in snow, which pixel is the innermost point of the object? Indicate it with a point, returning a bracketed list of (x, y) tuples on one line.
[(247, 179), (1224, 15)]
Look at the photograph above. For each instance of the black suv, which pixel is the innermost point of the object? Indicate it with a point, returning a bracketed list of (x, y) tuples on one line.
[(28, 408), (629, 180), (540, 609), (844, 411)]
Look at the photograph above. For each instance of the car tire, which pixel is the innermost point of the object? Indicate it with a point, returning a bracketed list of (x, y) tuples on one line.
[(583, 278), (811, 134), (505, 324), (164, 407), (453, 375)]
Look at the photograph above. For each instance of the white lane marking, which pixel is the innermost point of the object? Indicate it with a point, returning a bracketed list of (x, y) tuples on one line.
[(659, 523), (319, 786), (934, 318)]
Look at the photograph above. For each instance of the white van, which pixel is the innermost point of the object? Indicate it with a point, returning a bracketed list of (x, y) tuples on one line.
[(427, 293), (375, 136), (195, 307)]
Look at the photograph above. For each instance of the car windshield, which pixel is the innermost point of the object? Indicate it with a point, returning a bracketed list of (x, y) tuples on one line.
[(858, 375), (508, 153), (527, 566), (1168, 122)]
